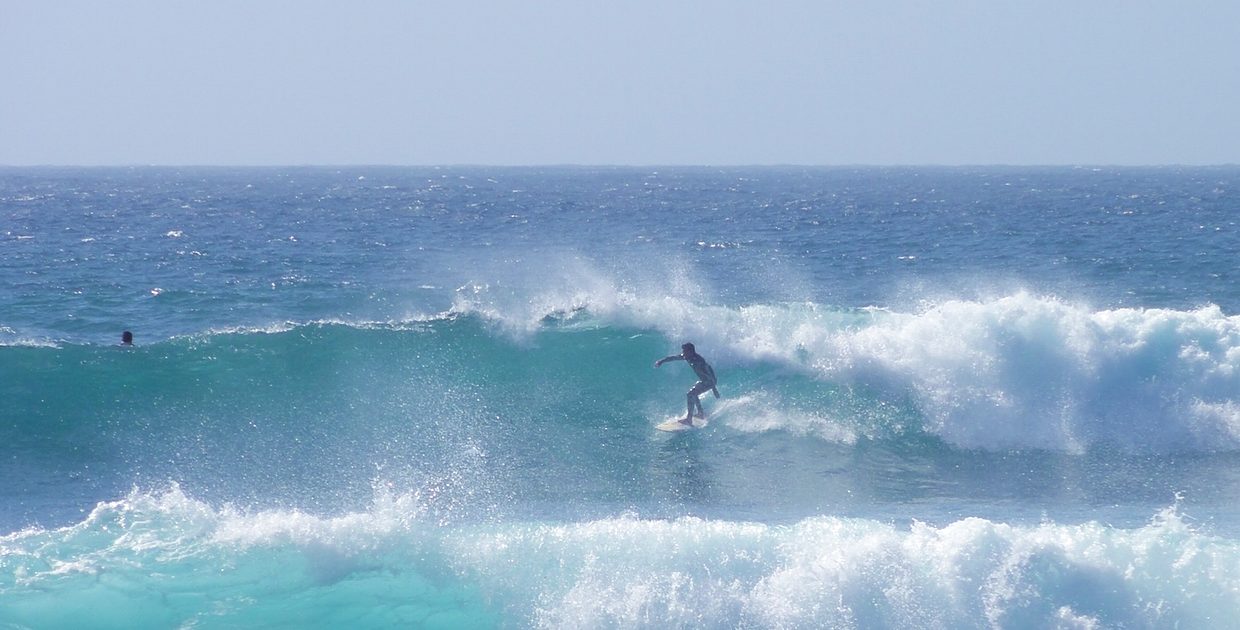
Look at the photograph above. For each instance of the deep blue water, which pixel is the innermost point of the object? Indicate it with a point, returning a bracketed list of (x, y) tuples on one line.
[(954, 397)]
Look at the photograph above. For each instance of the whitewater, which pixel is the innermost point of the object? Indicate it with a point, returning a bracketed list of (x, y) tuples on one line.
[(390, 397)]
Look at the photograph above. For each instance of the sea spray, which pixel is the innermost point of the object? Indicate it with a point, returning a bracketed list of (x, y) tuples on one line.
[(1019, 371), (1024, 371), (164, 558), (390, 396)]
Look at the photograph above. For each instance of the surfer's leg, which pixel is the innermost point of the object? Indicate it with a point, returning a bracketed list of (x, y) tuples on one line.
[(695, 403)]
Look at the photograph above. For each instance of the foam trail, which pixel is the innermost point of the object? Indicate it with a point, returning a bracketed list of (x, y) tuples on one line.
[(761, 412)]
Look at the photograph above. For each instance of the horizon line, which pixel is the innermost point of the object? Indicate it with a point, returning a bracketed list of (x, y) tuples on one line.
[(635, 165)]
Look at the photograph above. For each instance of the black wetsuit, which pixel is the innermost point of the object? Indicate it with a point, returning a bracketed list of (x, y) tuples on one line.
[(706, 381)]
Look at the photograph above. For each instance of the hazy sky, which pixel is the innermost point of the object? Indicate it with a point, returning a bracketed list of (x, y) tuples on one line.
[(620, 82)]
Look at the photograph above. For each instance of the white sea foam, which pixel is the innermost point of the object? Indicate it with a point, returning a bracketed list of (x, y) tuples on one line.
[(1019, 371), (151, 554), (11, 338), (1024, 371), (832, 572), (761, 412)]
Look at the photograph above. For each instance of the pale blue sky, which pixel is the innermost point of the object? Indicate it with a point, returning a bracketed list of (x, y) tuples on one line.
[(621, 82)]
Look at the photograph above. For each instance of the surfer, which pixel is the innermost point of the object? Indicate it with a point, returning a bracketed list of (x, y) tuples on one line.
[(126, 338), (706, 379)]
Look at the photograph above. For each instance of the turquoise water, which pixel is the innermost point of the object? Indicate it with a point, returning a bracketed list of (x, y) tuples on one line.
[(376, 397)]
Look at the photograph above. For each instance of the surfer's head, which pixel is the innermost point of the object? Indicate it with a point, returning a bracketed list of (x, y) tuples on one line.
[(127, 338), (687, 348)]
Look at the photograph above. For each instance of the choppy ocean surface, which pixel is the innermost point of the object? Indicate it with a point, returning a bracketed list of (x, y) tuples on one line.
[(424, 397)]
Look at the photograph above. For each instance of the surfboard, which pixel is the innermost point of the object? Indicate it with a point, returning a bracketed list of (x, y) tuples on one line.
[(673, 424)]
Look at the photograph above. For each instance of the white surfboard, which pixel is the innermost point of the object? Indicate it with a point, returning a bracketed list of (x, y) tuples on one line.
[(674, 424)]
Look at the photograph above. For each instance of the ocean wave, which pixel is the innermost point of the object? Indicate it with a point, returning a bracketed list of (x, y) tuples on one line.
[(164, 558), (1024, 371), (1016, 372)]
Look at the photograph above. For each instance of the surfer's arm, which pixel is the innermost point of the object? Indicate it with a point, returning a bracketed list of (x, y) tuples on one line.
[(674, 357)]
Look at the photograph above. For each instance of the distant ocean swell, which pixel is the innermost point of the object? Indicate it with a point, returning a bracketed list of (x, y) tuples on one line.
[(1020, 371), (164, 559)]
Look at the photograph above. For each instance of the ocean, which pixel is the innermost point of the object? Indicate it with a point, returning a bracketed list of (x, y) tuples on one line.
[(374, 397)]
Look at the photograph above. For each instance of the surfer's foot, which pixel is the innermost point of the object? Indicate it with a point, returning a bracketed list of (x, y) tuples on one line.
[(688, 421), (702, 416)]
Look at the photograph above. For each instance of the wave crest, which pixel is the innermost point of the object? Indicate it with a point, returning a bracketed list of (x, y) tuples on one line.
[(166, 559)]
